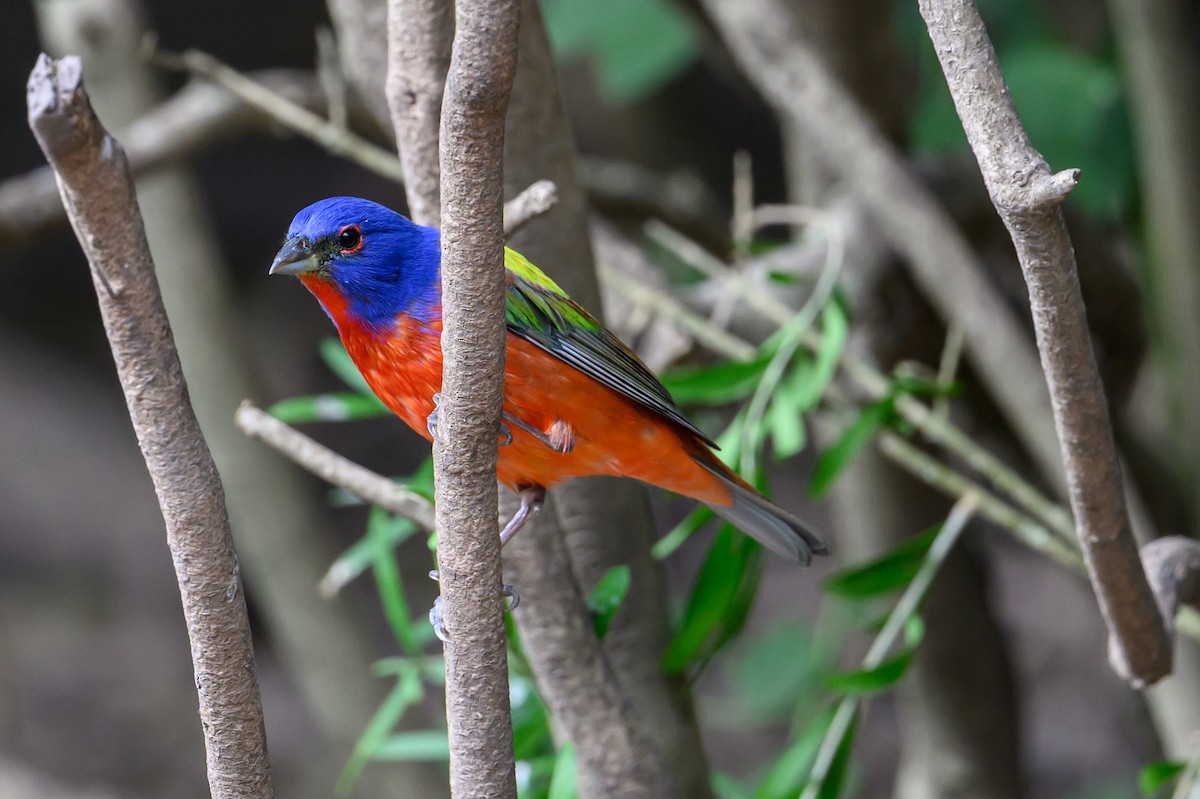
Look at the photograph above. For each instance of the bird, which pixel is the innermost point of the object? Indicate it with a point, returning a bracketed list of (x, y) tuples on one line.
[(577, 401)]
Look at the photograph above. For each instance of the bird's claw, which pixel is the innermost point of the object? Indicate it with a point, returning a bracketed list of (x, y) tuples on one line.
[(435, 613), (432, 418)]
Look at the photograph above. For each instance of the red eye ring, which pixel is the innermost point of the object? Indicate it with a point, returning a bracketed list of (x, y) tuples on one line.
[(349, 239)]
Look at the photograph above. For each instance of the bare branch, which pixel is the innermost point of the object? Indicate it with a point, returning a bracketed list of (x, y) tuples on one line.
[(419, 36), (333, 468), (1027, 196), (332, 137), (96, 186), (528, 205), (478, 85)]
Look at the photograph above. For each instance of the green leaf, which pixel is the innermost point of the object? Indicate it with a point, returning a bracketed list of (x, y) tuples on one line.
[(715, 385), (887, 573), (835, 779), (338, 360), (870, 681), (719, 601), (724, 786), (407, 691), (834, 460), (785, 423), (562, 784), (775, 670), (835, 328), (383, 530), (682, 531), (343, 407), (420, 745), (1154, 776), (635, 46), (606, 597), (790, 771)]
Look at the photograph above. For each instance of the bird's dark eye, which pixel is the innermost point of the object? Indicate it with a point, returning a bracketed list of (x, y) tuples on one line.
[(349, 238)]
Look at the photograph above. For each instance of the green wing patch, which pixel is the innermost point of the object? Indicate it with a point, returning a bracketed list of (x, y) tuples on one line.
[(540, 312)]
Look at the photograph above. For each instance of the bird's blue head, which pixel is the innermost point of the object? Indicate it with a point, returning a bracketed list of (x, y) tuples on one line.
[(364, 261)]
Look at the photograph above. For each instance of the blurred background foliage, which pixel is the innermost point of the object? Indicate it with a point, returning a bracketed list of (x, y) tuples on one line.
[(788, 669)]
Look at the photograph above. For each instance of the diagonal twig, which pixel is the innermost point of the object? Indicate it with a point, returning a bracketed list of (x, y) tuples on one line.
[(97, 189), (1027, 195)]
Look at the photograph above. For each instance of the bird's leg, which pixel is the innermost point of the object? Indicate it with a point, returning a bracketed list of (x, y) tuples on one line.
[(532, 499), (432, 420), (560, 437)]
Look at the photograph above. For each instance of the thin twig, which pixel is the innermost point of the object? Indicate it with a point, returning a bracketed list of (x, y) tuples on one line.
[(528, 205), (97, 187), (478, 86), (333, 468), (329, 135), (1027, 196)]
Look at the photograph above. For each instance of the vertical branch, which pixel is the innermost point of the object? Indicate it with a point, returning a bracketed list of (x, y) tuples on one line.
[(419, 36), (473, 336), (94, 180), (1027, 196)]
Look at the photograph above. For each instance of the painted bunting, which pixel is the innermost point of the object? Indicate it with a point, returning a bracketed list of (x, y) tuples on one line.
[(576, 400)]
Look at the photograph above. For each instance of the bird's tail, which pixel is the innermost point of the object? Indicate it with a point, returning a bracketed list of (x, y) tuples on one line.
[(753, 514)]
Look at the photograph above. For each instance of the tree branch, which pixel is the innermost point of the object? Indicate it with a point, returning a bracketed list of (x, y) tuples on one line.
[(96, 187), (333, 468), (478, 85), (419, 36), (1027, 196)]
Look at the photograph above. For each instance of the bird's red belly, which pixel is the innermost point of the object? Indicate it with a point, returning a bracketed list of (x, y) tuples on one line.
[(610, 434)]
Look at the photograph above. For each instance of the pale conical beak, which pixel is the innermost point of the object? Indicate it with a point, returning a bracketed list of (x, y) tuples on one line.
[(295, 258)]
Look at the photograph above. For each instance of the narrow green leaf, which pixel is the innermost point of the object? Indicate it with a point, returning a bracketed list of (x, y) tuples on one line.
[(870, 681), (835, 459), (835, 328), (885, 574), (682, 532), (790, 771), (726, 787), (715, 385), (344, 407), (419, 745), (606, 597), (562, 784), (785, 423), (338, 360), (1154, 776), (407, 691), (835, 779), (383, 530), (718, 600)]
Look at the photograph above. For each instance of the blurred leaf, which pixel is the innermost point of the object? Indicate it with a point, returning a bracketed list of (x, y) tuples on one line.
[(606, 597), (878, 678), (831, 788), (775, 670), (1154, 776), (562, 784), (834, 460), (407, 691), (682, 531), (724, 786), (328, 408), (719, 601), (788, 774), (887, 573), (835, 328), (715, 385), (870, 681), (338, 360), (531, 722), (785, 423), (420, 745), (635, 46), (383, 530), (361, 555)]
